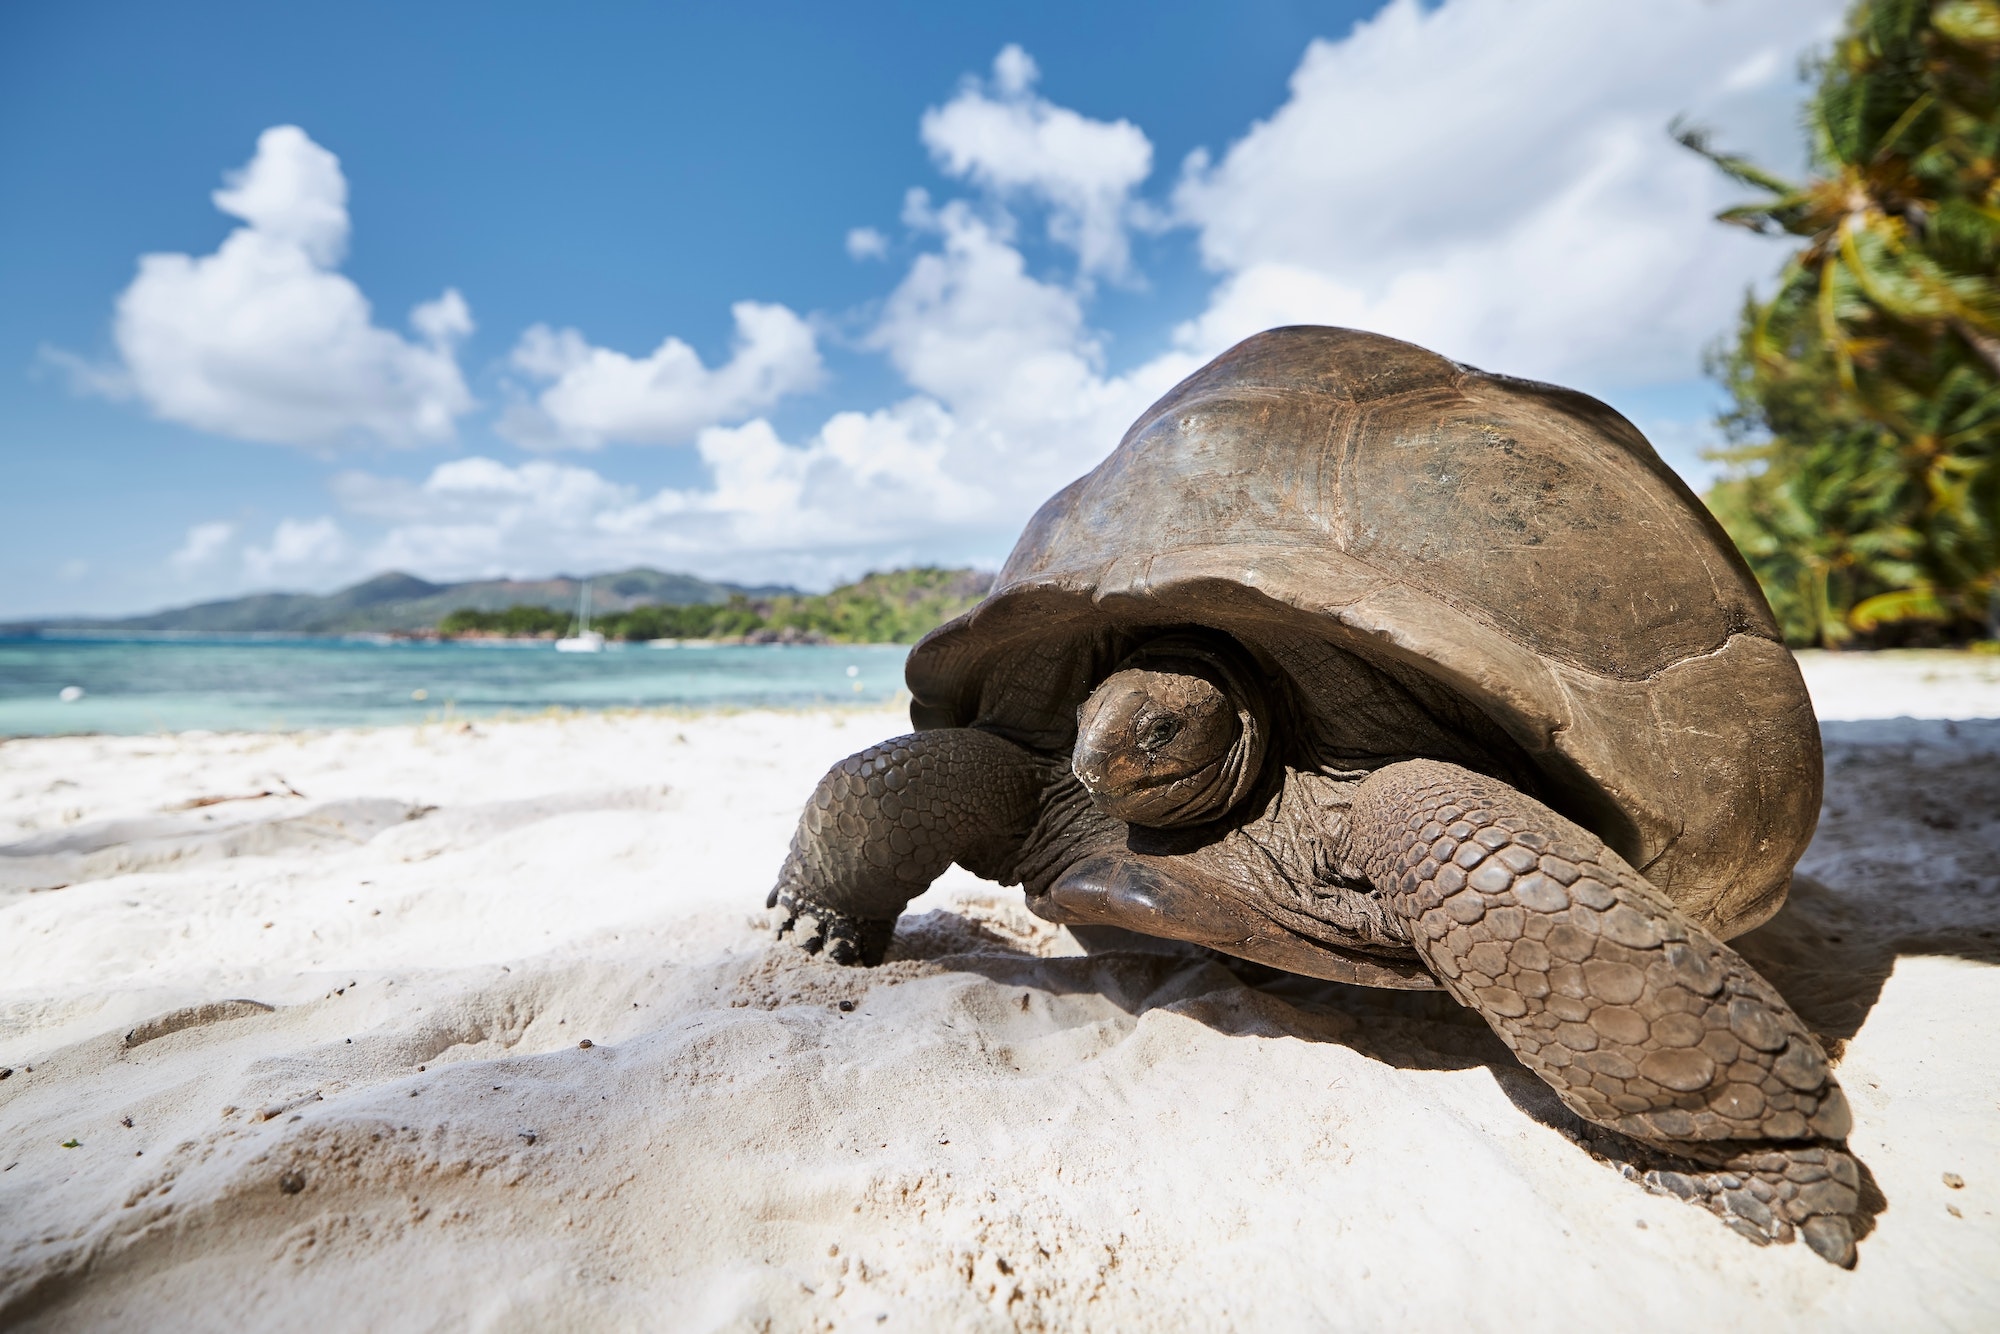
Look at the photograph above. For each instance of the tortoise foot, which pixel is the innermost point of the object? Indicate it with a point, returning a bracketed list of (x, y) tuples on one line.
[(836, 936), (1769, 1193)]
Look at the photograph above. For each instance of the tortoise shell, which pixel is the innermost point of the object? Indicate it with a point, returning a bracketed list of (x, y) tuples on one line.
[(1437, 561)]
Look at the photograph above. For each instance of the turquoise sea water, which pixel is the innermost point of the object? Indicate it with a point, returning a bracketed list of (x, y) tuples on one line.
[(265, 684)]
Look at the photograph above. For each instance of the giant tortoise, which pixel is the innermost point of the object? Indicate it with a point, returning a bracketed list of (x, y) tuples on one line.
[(1366, 665)]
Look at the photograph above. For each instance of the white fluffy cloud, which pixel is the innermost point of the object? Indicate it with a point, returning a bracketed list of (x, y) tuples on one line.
[(773, 510), (205, 543), (264, 340), (970, 326), (1494, 179), (596, 394), (300, 552), (867, 243), (1012, 403), (1006, 138)]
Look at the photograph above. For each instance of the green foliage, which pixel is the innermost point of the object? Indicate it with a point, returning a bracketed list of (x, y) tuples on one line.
[(1815, 497), (731, 620), (897, 607), (520, 621), (1865, 439), (893, 608)]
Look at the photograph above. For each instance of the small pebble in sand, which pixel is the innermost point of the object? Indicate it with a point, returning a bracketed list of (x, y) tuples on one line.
[(586, 1044), (846, 1007), (5, 1071), (125, 1121), (1954, 1180), (527, 1135), (291, 1183)]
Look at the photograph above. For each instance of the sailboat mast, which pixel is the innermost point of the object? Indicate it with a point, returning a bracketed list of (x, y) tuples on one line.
[(583, 609)]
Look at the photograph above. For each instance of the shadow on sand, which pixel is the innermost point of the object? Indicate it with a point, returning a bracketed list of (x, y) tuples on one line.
[(1906, 862)]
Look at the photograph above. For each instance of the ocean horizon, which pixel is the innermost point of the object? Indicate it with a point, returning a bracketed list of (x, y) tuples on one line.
[(85, 682)]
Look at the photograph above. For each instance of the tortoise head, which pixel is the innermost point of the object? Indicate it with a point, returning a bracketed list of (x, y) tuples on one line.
[(1176, 735)]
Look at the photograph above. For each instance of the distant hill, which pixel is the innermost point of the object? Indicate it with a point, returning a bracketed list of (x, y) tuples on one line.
[(888, 607), (401, 602)]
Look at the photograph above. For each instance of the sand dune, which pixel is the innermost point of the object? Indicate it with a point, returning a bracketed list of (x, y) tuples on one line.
[(480, 1028)]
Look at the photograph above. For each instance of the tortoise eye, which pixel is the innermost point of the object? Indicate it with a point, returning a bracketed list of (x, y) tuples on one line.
[(1158, 733)]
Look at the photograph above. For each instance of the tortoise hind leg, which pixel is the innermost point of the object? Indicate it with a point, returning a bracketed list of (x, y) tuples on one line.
[(1640, 1020)]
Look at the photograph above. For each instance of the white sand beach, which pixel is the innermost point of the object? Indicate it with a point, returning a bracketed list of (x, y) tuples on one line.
[(480, 1027)]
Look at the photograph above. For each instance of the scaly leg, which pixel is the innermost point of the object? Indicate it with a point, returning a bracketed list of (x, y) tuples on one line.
[(887, 821), (1640, 1020)]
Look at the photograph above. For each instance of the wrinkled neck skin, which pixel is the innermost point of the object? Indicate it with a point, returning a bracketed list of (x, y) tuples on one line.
[(1068, 828), (1285, 850)]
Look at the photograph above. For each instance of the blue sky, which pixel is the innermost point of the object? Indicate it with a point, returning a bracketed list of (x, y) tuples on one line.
[(415, 269)]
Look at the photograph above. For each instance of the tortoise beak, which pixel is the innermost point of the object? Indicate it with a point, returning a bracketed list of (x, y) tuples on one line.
[(1107, 759)]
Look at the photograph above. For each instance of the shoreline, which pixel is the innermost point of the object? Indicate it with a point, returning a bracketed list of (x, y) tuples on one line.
[(1886, 683), (452, 720), (412, 638)]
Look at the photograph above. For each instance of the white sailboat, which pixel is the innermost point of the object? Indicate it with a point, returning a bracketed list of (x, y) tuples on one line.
[(585, 640)]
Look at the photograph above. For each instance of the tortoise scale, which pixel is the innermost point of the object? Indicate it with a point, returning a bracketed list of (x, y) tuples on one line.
[(1366, 665)]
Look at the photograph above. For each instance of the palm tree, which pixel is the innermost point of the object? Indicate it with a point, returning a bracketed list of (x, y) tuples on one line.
[(1891, 312)]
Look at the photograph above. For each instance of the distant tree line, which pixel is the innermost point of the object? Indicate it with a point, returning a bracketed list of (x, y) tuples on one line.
[(520, 621), (896, 607), (1863, 480)]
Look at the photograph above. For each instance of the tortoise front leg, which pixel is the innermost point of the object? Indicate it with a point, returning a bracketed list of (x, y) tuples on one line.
[(1639, 1019), (887, 821)]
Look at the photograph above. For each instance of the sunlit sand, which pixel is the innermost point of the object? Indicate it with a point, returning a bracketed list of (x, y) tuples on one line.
[(481, 1026)]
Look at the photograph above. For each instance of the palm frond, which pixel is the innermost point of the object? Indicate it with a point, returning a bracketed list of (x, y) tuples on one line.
[(1863, 464)]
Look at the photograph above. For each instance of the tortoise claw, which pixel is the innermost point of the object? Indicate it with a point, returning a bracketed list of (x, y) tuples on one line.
[(1809, 1192), (834, 936)]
